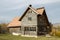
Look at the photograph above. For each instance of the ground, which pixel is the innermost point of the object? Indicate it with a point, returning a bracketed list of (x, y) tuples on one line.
[(11, 37)]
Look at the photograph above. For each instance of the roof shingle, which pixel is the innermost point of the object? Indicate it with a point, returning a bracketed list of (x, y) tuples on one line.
[(15, 22)]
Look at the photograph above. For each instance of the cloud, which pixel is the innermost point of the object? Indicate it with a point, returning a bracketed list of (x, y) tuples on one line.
[(22, 3), (27, 2), (11, 8)]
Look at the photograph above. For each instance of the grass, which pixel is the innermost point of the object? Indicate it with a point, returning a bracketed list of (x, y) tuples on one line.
[(11, 37)]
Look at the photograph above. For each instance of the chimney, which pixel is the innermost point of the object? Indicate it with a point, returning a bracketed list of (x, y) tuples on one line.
[(30, 5)]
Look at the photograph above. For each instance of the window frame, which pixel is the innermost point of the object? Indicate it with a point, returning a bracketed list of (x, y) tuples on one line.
[(30, 28)]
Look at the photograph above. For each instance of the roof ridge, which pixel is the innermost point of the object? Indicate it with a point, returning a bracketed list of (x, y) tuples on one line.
[(36, 10), (33, 10)]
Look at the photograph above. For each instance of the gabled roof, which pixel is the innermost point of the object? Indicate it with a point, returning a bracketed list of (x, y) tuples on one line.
[(40, 10), (37, 11), (15, 22)]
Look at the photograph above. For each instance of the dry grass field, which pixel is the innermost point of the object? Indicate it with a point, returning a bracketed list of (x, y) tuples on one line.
[(12, 37)]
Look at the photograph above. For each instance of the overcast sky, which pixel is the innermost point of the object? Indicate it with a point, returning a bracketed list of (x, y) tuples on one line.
[(12, 8)]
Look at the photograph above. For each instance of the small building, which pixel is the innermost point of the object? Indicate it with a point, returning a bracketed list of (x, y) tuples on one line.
[(33, 22), (15, 26)]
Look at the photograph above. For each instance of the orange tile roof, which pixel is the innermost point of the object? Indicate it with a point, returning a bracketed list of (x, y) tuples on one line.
[(40, 11), (15, 22)]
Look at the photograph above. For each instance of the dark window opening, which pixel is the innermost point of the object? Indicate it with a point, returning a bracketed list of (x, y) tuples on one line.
[(30, 29), (29, 18), (26, 28)]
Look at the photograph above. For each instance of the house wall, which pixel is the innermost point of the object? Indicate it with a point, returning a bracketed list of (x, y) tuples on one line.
[(42, 20), (26, 23), (14, 30), (43, 24)]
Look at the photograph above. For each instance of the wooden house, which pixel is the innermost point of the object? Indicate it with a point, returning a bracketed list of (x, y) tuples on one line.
[(33, 22)]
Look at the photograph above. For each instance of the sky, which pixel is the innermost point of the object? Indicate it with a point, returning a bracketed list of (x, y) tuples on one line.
[(13, 8)]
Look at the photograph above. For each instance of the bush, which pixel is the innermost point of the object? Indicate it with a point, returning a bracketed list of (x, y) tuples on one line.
[(3, 28), (55, 32)]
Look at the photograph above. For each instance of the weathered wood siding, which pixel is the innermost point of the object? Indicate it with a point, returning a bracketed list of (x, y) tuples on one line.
[(30, 33), (43, 24), (26, 23), (14, 30), (42, 20)]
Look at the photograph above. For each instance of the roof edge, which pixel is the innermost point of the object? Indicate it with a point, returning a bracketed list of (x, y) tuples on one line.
[(41, 8)]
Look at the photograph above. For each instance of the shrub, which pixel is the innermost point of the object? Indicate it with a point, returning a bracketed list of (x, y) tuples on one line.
[(55, 32)]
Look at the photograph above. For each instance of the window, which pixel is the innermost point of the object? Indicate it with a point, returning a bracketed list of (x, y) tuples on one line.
[(29, 11), (32, 28), (29, 18), (26, 28)]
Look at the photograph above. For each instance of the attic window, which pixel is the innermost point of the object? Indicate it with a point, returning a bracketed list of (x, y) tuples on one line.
[(29, 11), (29, 18)]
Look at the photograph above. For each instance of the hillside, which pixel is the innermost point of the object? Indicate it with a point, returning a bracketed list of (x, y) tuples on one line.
[(56, 25)]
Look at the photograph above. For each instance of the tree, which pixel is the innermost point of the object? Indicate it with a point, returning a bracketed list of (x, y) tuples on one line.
[(0, 28), (3, 28)]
